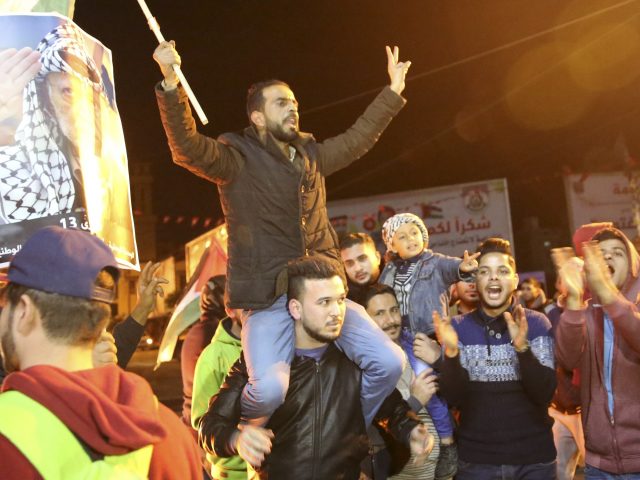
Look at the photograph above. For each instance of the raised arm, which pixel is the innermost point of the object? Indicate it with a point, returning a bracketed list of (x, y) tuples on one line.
[(570, 332), (198, 153), (127, 333), (339, 151), (623, 313)]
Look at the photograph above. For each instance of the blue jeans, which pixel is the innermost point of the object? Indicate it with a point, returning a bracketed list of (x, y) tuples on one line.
[(479, 471), (437, 406), (268, 343), (593, 473)]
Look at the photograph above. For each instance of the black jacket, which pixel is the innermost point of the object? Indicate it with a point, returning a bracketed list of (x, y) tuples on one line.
[(319, 430), (275, 209)]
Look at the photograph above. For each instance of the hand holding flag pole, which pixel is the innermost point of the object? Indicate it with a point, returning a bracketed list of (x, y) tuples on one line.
[(155, 28)]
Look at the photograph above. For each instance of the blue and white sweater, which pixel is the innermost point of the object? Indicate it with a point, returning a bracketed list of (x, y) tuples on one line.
[(502, 395)]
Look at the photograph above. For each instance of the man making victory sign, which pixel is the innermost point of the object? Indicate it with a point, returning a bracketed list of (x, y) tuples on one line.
[(271, 182)]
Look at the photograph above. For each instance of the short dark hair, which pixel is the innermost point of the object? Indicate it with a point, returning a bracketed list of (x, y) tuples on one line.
[(496, 245), (310, 268), (71, 320), (351, 239), (375, 290), (531, 281), (609, 233), (255, 97)]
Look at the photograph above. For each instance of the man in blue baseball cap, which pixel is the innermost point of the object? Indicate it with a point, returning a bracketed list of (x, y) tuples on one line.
[(61, 417)]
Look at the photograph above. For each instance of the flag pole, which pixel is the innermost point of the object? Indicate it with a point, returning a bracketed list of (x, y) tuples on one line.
[(155, 28)]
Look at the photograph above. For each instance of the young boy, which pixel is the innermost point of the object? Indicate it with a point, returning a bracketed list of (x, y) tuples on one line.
[(420, 278)]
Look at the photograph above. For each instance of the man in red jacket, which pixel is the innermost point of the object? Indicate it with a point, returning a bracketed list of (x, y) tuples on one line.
[(602, 339), (61, 417)]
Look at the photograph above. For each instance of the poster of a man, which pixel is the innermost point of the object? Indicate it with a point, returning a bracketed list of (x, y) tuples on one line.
[(62, 152)]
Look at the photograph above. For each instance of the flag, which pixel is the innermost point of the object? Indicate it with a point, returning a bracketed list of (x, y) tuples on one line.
[(64, 7), (213, 261)]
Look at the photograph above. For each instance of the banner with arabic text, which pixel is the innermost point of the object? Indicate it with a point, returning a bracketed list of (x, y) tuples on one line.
[(601, 197), (458, 217)]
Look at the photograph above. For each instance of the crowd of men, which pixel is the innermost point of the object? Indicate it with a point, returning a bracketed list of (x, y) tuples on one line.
[(328, 364)]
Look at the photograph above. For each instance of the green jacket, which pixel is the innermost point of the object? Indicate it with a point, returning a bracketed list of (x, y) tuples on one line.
[(212, 367)]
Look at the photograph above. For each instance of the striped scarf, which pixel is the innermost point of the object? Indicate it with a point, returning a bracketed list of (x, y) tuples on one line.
[(35, 177)]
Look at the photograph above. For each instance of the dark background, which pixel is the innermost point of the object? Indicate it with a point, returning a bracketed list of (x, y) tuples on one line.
[(547, 87)]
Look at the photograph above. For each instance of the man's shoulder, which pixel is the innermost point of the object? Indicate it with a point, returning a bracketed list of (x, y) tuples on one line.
[(538, 323), (305, 138), (464, 318), (233, 139), (216, 349), (468, 328)]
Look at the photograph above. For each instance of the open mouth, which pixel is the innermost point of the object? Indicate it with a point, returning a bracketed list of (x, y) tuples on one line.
[(611, 269), (291, 121), (494, 292)]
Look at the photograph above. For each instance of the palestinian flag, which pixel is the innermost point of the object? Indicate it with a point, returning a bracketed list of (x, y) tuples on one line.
[(213, 261)]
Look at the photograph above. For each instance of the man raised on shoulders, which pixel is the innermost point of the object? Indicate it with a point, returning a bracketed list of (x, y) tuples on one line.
[(319, 431), (271, 182)]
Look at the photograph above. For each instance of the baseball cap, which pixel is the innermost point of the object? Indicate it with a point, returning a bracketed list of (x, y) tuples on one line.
[(64, 261)]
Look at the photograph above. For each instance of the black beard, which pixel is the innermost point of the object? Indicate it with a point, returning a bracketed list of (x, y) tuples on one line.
[(318, 336), (10, 361), (282, 136)]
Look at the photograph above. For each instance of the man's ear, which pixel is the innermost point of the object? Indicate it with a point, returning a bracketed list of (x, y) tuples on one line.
[(257, 118), (295, 309), (516, 281), (25, 315), (378, 255)]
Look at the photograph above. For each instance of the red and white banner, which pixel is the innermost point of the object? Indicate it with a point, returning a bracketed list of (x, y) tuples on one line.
[(458, 217), (600, 197)]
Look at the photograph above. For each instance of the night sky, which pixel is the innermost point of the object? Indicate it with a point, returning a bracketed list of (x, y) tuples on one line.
[(547, 87)]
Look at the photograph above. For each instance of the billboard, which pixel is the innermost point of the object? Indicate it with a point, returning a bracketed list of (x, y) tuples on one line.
[(600, 197), (458, 217)]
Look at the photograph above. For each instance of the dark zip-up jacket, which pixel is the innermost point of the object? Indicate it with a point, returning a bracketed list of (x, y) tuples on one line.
[(275, 208), (319, 430)]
